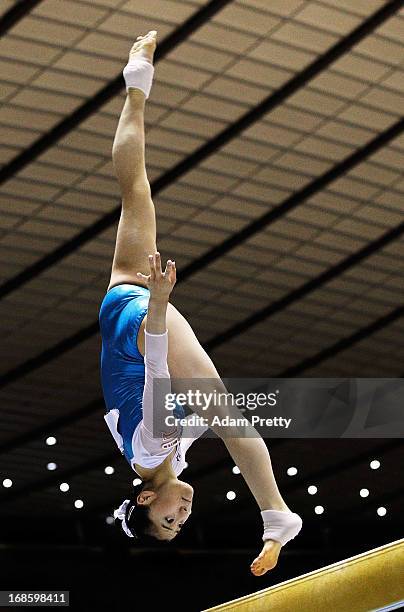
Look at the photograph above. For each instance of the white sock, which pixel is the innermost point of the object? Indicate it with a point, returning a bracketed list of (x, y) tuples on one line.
[(138, 74), (280, 526)]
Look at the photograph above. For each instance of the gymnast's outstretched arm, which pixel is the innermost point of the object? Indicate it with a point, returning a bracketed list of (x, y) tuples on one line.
[(157, 376)]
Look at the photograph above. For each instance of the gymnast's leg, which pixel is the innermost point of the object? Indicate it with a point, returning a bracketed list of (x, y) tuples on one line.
[(136, 236), (136, 239)]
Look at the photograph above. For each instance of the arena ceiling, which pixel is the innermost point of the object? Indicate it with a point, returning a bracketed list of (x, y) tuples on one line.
[(275, 150)]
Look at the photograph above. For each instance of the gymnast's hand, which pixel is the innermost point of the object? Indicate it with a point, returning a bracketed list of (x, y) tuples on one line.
[(159, 283)]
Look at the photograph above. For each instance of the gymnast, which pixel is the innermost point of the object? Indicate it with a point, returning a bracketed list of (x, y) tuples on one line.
[(147, 344)]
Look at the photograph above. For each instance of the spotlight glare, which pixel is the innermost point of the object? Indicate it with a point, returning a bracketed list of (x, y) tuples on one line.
[(64, 487), (230, 495), (137, 482), (51, 466), (236, 470), (109, 469), (7, 483), (312, 490), (375, 464), (292, 471), (382, 511), (51, 441), (109, 520), (364, 492), (319, 509), (78, 503), (185, 465)]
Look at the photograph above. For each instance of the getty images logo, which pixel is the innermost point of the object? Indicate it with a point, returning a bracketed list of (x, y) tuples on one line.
[(202, 400)]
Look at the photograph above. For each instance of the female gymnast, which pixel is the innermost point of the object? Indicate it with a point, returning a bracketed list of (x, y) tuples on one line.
[(146, 340)]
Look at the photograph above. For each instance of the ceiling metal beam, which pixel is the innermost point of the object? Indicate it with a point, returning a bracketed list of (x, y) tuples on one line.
[(307, 288), (212, 146), (345, 343), (15, 13), (49, 354)]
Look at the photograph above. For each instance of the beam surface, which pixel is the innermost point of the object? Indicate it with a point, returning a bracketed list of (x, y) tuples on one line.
[(367, 582)]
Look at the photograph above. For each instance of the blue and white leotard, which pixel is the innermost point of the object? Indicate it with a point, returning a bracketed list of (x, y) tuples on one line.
[(124, 373)]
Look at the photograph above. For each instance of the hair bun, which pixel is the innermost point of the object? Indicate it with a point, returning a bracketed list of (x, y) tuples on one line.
[(122, 513)]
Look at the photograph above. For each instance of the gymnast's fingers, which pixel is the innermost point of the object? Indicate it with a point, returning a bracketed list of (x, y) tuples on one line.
[(158, 264), (171, 271)]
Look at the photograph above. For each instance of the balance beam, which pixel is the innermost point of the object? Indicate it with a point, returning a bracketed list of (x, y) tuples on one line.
[(363, 583)]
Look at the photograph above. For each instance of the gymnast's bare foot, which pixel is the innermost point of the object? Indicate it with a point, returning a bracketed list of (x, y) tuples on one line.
[(267, 559), (144, 47)]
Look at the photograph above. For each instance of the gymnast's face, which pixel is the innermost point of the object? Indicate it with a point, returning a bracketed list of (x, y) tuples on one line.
[(169, 507)]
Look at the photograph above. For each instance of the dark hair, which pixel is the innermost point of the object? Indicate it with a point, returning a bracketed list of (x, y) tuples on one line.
[(138, 520)]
